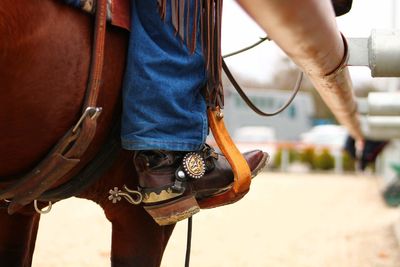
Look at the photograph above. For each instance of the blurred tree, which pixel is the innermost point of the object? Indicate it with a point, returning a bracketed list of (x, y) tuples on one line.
[(307, 156), (324, 160)]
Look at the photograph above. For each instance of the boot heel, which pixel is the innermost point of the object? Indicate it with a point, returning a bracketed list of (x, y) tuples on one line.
[(173, 211)]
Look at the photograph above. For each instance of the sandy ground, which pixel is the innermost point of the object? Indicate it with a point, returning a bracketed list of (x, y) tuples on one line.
[(288, 220)]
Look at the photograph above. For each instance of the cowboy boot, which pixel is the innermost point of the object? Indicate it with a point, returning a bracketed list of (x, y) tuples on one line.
[(171, 182)]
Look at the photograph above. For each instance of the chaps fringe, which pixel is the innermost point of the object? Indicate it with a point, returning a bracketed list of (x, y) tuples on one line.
[(210, 32)]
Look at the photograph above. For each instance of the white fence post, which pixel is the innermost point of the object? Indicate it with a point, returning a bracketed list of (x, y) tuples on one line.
[(338, 155), (284, 159)]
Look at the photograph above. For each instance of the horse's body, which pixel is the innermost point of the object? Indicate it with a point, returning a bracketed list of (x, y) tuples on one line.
[(45, 50)]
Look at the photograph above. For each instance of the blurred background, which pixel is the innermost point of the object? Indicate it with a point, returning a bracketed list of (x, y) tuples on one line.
[(306, 135)]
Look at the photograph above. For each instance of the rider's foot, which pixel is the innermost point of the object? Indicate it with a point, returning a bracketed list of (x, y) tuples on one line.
[(171, 182)]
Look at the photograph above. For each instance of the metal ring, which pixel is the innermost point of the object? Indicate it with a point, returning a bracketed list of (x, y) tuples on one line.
[(41, 211), (91, 112), (345, 59)]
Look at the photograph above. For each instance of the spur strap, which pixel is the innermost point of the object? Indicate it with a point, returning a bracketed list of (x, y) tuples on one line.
[(67, 153)]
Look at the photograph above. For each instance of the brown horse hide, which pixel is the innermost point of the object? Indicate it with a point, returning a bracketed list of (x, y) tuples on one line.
[(45, 49)]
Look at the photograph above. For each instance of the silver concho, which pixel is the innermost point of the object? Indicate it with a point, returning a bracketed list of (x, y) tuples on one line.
[(194, 165)]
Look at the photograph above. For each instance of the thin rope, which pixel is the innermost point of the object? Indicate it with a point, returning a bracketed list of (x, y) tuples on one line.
[(262, 39), (247, 100), (188, 241)]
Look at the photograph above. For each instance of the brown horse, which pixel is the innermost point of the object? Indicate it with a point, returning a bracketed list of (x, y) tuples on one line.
[(45, 50)]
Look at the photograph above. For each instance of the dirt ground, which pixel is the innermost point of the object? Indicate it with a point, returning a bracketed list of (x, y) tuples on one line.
[(287, 220)]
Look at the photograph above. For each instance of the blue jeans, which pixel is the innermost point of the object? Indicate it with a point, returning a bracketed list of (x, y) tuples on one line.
[(163, 107)]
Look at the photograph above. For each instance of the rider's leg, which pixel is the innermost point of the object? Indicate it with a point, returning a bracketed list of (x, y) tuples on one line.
[(164, 118), (163, 105)]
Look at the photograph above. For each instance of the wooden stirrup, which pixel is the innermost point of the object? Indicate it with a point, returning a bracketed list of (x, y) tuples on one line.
[(240, 168)]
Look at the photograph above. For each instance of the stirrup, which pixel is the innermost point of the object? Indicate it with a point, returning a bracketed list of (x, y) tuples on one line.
[(240, 168)]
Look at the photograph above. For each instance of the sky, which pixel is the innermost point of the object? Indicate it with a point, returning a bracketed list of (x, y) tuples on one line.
[(238, 31)]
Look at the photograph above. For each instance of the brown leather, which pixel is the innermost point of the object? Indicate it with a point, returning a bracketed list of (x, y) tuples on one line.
[(121, 14), (156, 170), (240, 167)]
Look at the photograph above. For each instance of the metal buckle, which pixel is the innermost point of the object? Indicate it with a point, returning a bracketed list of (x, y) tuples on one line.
[(92, 112)]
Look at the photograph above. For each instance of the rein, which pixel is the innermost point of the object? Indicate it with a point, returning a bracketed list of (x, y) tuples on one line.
[(247, 100), (262, 39), (243, 95)]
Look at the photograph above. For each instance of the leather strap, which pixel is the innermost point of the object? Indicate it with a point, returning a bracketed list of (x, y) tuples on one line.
[(92, 171), (67, 152), (251, 105), (240, 168)]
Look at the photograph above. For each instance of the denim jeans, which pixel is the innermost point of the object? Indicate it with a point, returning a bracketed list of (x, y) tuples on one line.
[(163, 107)]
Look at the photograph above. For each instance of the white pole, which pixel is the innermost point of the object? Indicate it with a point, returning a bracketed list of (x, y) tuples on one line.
[(394, 13), (338, 155), (285, 160), (393, 84)]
